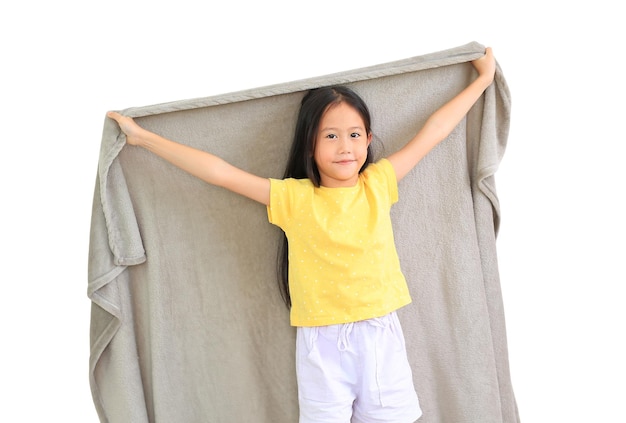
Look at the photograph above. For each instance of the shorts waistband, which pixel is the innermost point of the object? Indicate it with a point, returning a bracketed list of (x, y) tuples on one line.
[(345, 329)]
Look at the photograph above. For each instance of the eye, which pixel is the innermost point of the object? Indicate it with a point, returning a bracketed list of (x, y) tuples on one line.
[(331, 136), (355, 135)]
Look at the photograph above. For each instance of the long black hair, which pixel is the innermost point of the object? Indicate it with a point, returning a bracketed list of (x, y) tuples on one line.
[(301, 163)]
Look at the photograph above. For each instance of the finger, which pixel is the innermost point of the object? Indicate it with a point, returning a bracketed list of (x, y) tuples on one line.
[(114, 115)]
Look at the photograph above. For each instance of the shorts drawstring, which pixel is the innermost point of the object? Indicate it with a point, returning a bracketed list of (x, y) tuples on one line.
[(313, 331), (343, 340)]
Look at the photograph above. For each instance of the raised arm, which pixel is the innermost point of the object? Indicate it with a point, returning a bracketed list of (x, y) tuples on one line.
[(444, 120), (201, 164)]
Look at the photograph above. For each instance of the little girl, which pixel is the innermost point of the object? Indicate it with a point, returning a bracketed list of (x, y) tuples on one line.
[(343, 281)]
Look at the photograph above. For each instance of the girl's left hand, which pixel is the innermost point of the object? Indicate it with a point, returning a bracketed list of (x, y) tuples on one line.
[(486, 65)]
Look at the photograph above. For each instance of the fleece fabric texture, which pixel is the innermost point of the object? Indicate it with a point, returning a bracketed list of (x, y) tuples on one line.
[(187, 322)]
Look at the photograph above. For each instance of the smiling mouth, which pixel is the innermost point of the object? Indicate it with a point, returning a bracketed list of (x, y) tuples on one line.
[(343, 162)]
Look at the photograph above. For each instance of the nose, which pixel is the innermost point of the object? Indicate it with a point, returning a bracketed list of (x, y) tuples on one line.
[(345, 145)]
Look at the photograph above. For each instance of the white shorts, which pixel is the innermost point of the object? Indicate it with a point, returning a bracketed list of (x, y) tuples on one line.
[(355, 372)]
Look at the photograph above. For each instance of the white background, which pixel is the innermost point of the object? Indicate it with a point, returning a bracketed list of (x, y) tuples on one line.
[(63, 64)]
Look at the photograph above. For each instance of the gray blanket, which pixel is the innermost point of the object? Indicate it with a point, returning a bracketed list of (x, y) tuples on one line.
[(187, 322)]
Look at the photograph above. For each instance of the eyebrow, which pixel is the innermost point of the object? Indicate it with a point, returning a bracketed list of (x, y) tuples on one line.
[(336, 129)]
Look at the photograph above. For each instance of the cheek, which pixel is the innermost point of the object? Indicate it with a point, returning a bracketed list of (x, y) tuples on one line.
[(320, 152), (364, 149)]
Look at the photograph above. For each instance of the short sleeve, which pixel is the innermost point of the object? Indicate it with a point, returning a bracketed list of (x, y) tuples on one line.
[(285, 195), (276, 209), (381, 175)]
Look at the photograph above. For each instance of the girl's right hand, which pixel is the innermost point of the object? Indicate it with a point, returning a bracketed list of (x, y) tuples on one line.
[(128, 126)]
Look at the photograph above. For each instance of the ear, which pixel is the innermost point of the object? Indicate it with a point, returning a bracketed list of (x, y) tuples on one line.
[(369, 139)]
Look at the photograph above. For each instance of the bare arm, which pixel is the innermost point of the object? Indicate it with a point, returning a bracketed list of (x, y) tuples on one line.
[(444, 120), (201, 164)]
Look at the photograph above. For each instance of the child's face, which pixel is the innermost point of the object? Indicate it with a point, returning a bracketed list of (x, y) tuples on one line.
[(341, 146)]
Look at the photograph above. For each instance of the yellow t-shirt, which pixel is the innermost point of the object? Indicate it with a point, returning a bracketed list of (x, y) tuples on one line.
[(343, 264)]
